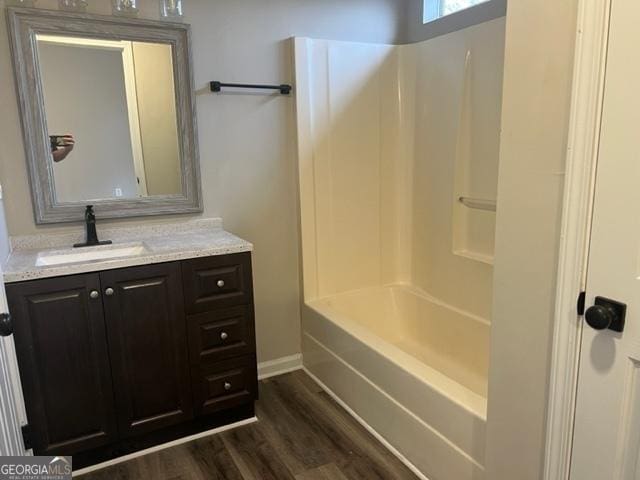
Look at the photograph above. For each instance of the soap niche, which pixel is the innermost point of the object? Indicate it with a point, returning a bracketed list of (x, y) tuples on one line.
[(476, 175)]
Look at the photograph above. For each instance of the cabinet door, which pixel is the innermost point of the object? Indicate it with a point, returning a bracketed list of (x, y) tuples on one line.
[(146, 329), (64, 367)]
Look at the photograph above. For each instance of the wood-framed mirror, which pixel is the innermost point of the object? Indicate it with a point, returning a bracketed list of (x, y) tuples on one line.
[(108, 114)]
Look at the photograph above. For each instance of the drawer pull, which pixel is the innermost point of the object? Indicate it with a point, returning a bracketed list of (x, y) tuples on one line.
[(220, 283), (224, 336), (227, 386), (94, 294)]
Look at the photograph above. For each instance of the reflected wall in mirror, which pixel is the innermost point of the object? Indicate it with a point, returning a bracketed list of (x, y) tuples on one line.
[(108, 114), (111, 117)]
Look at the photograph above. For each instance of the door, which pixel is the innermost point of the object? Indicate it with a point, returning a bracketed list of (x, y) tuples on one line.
[(64, 366), (11, 443), (146, 329), (607, 428)]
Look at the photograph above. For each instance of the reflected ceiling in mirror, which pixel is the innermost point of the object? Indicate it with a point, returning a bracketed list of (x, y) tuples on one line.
[(111, 117)]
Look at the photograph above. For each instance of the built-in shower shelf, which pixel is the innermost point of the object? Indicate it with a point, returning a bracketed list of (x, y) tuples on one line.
[(478, 203), (478, 257), (474, 227)]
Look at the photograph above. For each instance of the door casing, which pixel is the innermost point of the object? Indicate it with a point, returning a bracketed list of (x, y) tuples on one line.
[(580, 173)]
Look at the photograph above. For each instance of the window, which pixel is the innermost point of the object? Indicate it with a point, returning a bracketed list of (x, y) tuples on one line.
[(434, 9)]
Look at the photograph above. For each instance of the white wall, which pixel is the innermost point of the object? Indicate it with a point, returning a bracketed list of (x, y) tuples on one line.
[(247, 142), (538, 68)]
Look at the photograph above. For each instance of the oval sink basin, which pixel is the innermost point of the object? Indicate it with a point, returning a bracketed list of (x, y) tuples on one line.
[(89, 254)]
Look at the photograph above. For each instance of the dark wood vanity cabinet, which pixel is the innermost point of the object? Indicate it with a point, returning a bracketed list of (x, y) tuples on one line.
[(62, 348), (146, 330), (119, 360), (219, 300)]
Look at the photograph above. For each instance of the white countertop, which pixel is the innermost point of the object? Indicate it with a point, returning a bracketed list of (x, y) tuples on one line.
[(162, 243)]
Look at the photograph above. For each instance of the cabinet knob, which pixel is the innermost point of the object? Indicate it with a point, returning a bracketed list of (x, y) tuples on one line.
[(94, 294), (6, 325), (224, 335), (227, 386), (220, 283), (108, 292)]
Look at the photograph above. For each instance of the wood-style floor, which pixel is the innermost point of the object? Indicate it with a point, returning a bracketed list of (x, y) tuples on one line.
[(302, 434)]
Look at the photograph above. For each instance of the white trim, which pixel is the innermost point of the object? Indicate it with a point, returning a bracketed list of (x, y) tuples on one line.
[(13, 413), (366, 426), (14, 378), (279, 366), (157, 448), (582, 152)]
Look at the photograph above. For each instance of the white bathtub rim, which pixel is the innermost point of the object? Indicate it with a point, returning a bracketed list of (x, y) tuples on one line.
[(443, 438), (457, 393)]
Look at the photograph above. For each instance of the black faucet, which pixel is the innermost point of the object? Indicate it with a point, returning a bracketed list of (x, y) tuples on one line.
[(92, 234)]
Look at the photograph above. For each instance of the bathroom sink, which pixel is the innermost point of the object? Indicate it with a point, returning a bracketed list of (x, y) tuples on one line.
[(88, 254)]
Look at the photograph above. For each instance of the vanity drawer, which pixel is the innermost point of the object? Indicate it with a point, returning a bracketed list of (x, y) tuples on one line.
[(221, 385), (216, 282), (221, 334)]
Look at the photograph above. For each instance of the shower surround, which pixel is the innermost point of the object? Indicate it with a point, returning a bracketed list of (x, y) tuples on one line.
[(397, 270)]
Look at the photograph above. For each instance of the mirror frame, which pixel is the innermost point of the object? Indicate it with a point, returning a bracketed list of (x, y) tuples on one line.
[(24, 25)]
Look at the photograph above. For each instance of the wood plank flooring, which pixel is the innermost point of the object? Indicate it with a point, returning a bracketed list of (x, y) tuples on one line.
[(302, 434)]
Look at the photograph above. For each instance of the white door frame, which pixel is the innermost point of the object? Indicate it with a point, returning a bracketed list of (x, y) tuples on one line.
[(582, 153)]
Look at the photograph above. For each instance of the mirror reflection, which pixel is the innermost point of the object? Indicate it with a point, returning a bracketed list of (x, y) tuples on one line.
[(111, 118)]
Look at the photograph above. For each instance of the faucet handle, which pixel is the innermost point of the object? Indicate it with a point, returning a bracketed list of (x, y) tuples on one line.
[(92, 235), (88, 212)]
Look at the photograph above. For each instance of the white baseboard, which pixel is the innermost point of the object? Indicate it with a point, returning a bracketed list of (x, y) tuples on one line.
[(279, 366), (367, 427), (157, 448)]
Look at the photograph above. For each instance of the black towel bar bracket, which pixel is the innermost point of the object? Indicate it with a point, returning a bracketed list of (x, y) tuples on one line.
[(218, 86)]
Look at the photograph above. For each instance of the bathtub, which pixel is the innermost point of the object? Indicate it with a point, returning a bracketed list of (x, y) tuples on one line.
[(410, 368)]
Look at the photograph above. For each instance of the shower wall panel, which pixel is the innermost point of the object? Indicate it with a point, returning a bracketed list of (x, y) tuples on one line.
[(389, 138)]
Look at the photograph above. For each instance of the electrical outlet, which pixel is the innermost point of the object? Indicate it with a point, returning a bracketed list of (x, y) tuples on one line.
[(118, 192)]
